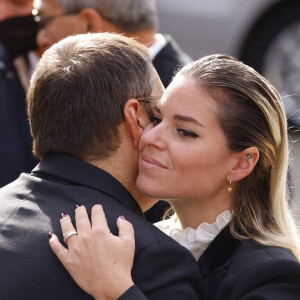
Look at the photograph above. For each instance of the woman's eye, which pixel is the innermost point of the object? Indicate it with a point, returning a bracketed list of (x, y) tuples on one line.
[(154, 120), (187, 133)]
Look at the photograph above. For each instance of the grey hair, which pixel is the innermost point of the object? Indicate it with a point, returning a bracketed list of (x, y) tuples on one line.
[(128, 15)]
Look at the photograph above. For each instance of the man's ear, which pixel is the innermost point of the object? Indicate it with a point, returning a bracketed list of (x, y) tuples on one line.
[(245, 163), (132, 112), (92, 19)]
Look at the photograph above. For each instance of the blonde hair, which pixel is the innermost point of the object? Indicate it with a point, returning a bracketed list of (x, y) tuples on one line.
[(251, 113)]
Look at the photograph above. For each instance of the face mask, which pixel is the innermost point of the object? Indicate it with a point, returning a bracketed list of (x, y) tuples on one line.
[(18, 35)]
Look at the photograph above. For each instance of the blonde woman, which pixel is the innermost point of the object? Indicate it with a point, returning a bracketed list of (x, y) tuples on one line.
[(217, 150)]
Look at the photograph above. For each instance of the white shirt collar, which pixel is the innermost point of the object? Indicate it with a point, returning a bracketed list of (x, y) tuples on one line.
[(195, 240), (160, 42)]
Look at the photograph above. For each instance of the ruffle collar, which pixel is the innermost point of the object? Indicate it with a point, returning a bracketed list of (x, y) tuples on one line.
[(195, 240)]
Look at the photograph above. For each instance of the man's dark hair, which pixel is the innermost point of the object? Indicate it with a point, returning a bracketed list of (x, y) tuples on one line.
[(78, 92)]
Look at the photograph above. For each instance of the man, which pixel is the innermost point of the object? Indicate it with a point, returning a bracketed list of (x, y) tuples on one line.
[(17, 36), (86, 120), (133, 18)]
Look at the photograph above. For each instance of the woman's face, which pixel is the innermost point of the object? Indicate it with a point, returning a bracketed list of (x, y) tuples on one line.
[(183, 152)]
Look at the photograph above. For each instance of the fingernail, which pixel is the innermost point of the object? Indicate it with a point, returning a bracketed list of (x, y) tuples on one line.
[(122, 217), (62, 215), (50, 235), (96, 203), (78, 205)]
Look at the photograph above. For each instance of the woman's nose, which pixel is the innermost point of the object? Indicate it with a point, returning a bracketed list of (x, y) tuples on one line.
[(154, 136)]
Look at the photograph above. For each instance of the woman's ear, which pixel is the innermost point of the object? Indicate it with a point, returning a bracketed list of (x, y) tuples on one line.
[(132, 112), (245, 163), (92, 19)]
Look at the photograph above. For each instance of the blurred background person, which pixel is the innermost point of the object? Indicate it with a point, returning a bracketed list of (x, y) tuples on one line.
[(133, 18), (17, 37)]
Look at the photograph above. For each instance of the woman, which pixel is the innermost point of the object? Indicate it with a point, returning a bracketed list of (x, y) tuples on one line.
[(217, 150)]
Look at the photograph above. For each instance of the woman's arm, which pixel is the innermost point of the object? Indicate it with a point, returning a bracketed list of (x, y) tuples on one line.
[(97, 260)]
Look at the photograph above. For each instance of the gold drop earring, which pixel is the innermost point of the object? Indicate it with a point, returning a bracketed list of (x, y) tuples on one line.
[(230, 188)]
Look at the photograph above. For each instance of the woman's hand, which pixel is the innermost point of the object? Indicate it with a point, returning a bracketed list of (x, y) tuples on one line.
[(97, 260)]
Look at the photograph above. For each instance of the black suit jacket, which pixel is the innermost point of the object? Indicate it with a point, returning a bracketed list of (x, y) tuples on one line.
[(246, 270), (169, 59), (30, 208)]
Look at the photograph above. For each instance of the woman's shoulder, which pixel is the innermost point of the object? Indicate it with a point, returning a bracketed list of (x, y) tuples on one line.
[(243, 254), (249, 269), (258, 253), (251, 258), (260, 270)]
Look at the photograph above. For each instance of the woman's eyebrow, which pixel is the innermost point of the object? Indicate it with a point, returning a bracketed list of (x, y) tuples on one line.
[(180, 118), (187, 119)]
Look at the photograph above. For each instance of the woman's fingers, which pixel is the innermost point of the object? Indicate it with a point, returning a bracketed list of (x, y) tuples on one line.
[(99, 221), (67, 229), (126, 235), (59, 250), (95, 249), (82, 220), (126, 231)]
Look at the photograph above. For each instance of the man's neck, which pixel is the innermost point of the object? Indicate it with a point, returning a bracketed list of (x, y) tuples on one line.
[(126, 175), (123, 165), (146, 37), (121, 168)]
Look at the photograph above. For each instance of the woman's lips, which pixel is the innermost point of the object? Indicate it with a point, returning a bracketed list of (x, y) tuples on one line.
[(149, 161)]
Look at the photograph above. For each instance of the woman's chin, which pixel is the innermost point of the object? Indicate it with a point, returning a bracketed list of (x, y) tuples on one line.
[(147, 187)]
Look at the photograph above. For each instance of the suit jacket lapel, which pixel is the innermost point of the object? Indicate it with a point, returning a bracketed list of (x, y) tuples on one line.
[(219, 252)]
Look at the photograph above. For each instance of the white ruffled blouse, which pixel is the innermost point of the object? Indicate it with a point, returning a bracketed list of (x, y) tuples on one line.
[(195, 240)]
